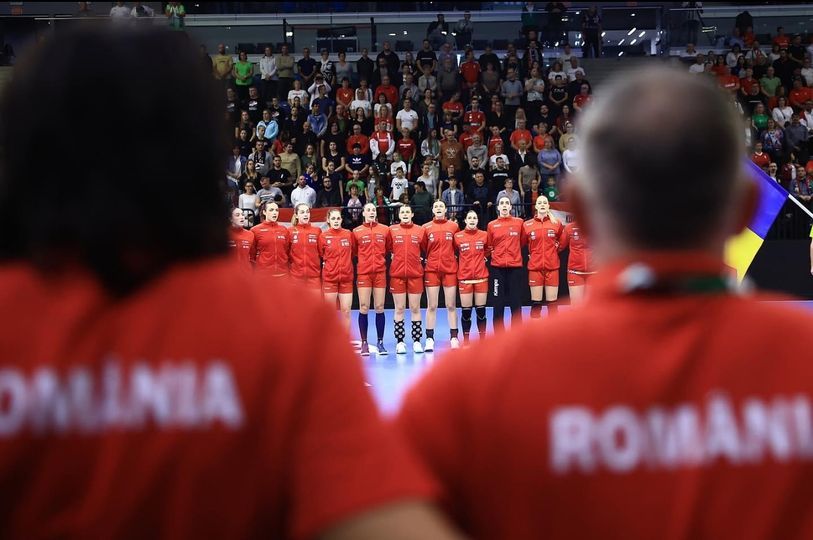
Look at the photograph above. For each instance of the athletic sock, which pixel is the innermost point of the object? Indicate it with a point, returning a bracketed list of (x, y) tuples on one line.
[(453, 333), (416, 331), (536, 309), (481, 319), (553, 308), (400, 333), (379, 325), (465, 320), (430, 333), (363, 326)]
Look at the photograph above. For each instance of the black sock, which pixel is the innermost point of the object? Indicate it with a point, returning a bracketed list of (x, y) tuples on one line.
[(400, 333), (379, 325), (465, 320), (416, 331), (430, 333), (536, 309), (481, 319), (363, 326), (453, 333)]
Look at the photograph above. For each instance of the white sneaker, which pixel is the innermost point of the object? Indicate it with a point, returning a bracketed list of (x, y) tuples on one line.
[(454, 343), (416, 347), (400, 348), (430, 344)]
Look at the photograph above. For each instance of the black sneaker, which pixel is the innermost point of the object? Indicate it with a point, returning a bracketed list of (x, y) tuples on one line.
[(365, 349), (381, 349)]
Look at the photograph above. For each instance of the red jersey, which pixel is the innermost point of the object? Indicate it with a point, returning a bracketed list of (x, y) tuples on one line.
[(388, 90), (345, 96), (727, 81), (406, 147), (305, 261), (382, 142), (337, 249), (580, 258), (148, 417), (474, 120), (472, 247), (762, 159), (373, 242), (466, 140), (543, 243), (634, 416), (362, 140), (440, 246), (521, 135), (581, 100), (782, 41), (506, 238), (241, 242), (408, 243), (470, 71), (272, 242), (455, 106), (492, 144)]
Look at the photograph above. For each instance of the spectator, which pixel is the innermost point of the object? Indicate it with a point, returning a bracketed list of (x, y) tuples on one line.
[(807, 72), (343, 69), (268, 75), (591, 33), (521, 156), (409, 86), (327, 68), (464, 30), (285, 72), (406, 118), (512, 91), (782, 113), (448, 79), (303, 193), (781, 40), (527, 174), (359, 162), (223, 64), (329, 195), (307, 68), (253, 104), (249, 200), (408, 65), (759, 118), (279, 176), (568, 138), (353, 208), (243, 73), (570, 157), (422, 203), (769, 83), (119, 12), (573, 69), (298, 93), (550, 161), (175, 13), (784, 68), (513, 195), (437, 31), (446, 53), (773, 140), (141, 11), (499, 173), (453, 198), (689, 52), (365, 66), (451, 152), (801, 186), (388, 90), (796, 137), (269, 193), (759, 157), (382, 142), (427, 81), (317, 119), (308, 159), (398, 185), (806, 116), (477, 150), (393, 62), (430, 146), (799, 94), (481, 197)]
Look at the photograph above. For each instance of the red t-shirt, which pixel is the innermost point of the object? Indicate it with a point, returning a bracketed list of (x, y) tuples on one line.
[(782, 41), (241, 242), (797, 97), (729, 82), (408, 243), (492, 144), (405, 147), (521, 135), (634, 416), (337, 249), (763, 159), (466, 140), (543, 243), (345, 96), (273, 241), (455, 106), (362, 140), (580, 258), (472, 248), (474, 120), (373, 242), (168, 414), (388, 90), (470, 71), (506, 238), (305, 261), (440, 246), (581, 100)]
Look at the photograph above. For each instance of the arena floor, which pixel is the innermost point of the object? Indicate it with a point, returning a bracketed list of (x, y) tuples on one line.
[(391, 375)]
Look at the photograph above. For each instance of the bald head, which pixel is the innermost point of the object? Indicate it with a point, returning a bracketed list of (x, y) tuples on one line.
[(662, 157)]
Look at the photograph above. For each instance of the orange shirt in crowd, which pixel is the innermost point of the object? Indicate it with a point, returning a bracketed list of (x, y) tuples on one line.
[(543, 238), (273, 241), (440, 246), (635, 416), (373, 242), (337, 249), (304, 254), (163, 411), (580, 258), (506, 238), (408, 243), (539, 142), (472, 248), (521, 135), (388, 90), (782, 41), (241, 242)]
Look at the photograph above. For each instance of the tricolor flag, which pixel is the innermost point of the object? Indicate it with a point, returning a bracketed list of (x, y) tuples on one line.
[(741, 249)]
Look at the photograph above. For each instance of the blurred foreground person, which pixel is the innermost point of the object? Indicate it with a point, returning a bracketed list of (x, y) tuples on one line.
[(666, 405), (137, 399)]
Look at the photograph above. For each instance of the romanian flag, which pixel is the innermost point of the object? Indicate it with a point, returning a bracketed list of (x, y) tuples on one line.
[(741, 249)]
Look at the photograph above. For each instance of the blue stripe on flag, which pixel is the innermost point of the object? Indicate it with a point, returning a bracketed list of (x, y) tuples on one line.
[(772, 197)]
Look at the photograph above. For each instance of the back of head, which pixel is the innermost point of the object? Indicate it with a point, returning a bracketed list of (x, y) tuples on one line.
[(137, 121), (662, 153)]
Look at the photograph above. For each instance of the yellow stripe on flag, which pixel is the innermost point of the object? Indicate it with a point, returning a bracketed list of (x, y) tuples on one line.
[(740, 251)]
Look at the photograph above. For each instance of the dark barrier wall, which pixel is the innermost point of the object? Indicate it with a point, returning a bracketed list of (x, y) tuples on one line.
[(784, 266)]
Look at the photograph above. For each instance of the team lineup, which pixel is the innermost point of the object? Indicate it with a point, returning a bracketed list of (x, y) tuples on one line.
[(437, 255)]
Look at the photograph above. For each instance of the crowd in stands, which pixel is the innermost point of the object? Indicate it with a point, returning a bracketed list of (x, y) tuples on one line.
[(771, 85), (397, 128)]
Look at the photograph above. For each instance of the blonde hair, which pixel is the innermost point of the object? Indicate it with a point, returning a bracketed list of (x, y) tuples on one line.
[(294, 219)]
